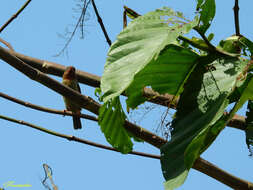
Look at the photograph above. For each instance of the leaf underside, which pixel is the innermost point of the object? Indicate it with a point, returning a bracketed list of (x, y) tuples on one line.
[(199, 115), (139, 45), (111, 121)]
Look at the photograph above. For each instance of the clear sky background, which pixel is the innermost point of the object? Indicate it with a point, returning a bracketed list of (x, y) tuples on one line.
[(77, 166)]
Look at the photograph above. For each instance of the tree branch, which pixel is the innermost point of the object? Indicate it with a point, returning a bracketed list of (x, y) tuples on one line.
[(237, 122), (48, 110), (226, 178), (84, 101), (100, 21), (7, 44), (74, 138), (15, 16), (236, 18), (93, 106)]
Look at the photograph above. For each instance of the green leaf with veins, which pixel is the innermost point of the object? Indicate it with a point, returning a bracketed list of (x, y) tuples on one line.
[(139, 45), (166, 74), (111, 121), (199, 115)]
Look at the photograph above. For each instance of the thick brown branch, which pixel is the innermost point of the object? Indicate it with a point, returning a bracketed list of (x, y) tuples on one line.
[(14, 16), (93, 106), (94, 81), (76, 139), (236, 18), (100, 21), (226, 178)]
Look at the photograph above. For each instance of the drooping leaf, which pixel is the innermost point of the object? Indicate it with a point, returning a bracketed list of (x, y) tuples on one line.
[(206, 9), (199, 115), (139, 44), (204, 139), (166, 74), (177, 182), (111, 121)]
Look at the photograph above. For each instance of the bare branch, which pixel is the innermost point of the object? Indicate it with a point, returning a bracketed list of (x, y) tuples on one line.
[(79, 23), (100, 21), (14, 16), (124, 19), (40, 108), (236, 18), (76, 139), (7, 44), (222, 176)]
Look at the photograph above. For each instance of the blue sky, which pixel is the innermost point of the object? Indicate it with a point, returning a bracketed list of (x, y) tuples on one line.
[(24, 150)]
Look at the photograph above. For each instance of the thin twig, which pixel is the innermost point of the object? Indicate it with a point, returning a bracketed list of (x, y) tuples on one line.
[(79, 22), (74, 138), (93, 106), (124, 19), (100, 21), (7, 44), (14, 16), (237, 122), (236, 18), (48, 110)]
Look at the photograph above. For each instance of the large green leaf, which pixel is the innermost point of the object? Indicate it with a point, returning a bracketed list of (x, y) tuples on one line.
[(201, 105), (206, 9), (203, 140), (166, 74), (139, 44), (111, 121)]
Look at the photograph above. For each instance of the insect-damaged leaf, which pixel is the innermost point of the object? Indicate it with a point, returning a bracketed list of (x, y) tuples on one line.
[(206, 9), (199, 115)]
